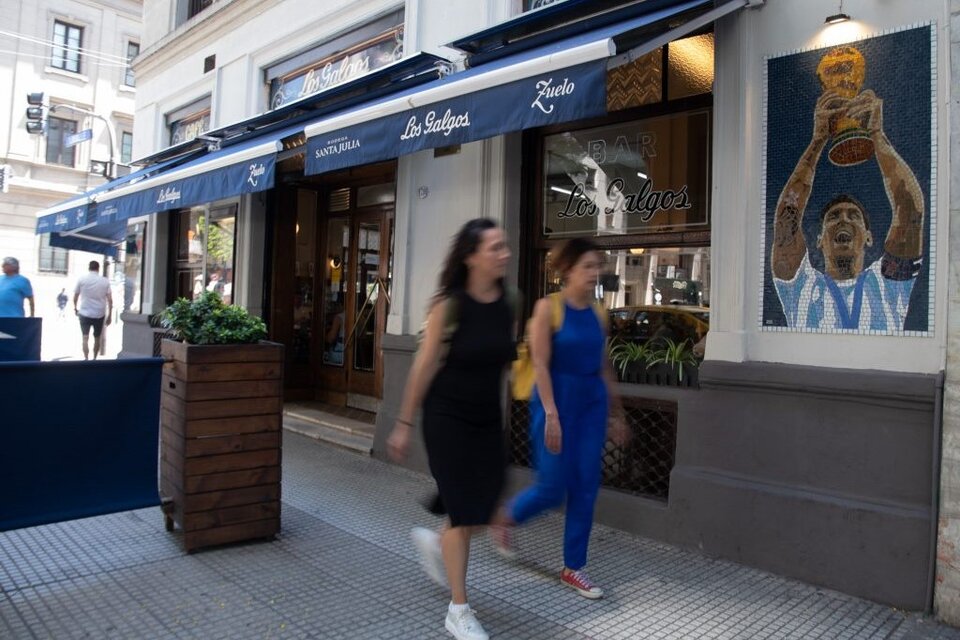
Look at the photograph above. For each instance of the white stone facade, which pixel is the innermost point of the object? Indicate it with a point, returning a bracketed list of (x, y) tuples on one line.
[(99, 87)]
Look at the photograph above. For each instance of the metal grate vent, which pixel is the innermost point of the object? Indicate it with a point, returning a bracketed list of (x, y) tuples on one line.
[(339, 200), (642, 467)]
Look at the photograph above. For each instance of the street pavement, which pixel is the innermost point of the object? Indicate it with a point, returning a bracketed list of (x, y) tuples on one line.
[(61, 337), (344, 567)]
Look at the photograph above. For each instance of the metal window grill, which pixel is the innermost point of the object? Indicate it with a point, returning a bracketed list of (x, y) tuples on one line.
[(158, 336), (641, 467)]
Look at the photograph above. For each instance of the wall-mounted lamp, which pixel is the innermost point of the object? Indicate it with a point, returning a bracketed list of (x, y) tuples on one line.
[(838, 17)]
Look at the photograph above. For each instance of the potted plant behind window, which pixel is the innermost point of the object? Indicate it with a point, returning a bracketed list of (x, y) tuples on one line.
[(221, 413), (674, 363), (658, 362)]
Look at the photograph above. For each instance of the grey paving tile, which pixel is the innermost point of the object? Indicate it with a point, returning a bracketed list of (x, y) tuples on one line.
[(343, 567)]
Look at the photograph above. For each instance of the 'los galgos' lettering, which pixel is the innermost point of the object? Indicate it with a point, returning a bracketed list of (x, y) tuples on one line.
[(646, 202), (444, 124)]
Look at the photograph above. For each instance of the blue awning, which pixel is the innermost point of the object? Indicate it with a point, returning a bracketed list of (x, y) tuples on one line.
[(246, 167), (75, 212), (551, 84), (556, 21), (97, 238)]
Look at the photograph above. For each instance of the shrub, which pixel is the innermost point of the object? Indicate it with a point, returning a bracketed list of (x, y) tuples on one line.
[(207, 320)]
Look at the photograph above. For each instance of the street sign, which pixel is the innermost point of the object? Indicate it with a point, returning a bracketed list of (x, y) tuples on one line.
[(78, 137)]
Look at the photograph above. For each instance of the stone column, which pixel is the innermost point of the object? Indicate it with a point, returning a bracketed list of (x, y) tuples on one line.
[(947, 586)]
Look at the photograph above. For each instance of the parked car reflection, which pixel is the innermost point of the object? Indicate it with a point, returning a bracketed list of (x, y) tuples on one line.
[(649, 323)]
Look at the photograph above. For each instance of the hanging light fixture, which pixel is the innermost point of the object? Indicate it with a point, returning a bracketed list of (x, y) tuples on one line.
[(838, 17)]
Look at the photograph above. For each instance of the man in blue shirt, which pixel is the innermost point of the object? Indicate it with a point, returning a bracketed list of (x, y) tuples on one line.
[(14, 288), (848, 294)]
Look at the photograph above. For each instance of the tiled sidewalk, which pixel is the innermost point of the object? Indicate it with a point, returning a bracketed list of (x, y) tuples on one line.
[(344, 568)]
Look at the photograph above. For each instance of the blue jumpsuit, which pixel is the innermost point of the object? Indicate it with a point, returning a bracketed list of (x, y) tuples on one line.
[(580, 392)]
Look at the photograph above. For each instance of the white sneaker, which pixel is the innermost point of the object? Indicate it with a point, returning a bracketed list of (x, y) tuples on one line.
[(427, 543), (465, 626)]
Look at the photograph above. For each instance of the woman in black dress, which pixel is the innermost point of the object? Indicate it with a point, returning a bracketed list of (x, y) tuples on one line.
[(457, 376)]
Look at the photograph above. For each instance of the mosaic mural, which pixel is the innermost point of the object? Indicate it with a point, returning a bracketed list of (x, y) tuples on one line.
[(849, 179)]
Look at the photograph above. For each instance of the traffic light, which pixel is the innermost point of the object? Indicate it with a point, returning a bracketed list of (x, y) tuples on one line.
[(35, 113)]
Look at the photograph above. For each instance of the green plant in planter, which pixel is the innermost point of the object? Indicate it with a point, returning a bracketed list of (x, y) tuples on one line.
[(623, 354), (207, 320), (676, 354)]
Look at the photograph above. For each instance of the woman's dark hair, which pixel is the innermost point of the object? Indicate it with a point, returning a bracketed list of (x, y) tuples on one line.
[(567, 254), (453, 278)]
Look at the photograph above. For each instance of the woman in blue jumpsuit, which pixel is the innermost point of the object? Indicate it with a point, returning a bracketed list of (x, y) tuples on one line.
[(573, 397)]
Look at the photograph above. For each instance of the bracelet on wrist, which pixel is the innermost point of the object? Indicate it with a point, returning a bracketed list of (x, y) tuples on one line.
[(406, 422)]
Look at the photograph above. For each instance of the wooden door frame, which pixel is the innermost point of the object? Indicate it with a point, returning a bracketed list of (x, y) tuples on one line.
[(336, 381)]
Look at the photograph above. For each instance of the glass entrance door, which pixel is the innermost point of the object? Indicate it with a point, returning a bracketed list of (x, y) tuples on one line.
[(356, 294)]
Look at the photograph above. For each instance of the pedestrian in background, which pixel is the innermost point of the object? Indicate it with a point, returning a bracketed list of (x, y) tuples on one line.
[(95, 308), (573, 398), (62, 302), (457, 374), (14, 289)]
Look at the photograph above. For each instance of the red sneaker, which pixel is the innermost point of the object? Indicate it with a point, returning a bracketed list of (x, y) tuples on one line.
[(502, 538), (579, 581)]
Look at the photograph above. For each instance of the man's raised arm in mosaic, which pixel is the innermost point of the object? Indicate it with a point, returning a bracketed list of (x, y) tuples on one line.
[(904, 243), (789, 245)]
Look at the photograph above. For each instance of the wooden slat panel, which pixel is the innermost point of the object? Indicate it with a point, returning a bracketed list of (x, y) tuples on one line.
[(224, 372), (171, 447), (233, 480), (228, 426), (232, 515), (172, 403), (231, 444), (262, 352), (232, 533), (169, 488), (221, 390), (231, 462), (207, 409), (172, 421), (169, 470), (230, 498)]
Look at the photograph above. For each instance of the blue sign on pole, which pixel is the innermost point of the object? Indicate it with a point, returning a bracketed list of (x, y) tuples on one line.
[(77, 138)]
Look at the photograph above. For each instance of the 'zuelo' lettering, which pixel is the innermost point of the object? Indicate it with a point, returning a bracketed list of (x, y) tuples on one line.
[(547, 91)]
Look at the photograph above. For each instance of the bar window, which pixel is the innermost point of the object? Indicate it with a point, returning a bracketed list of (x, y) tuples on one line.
[(645, 176), (67, 41), (57, 131)]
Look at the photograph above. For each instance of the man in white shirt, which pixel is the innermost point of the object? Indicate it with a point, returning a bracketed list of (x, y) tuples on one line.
[(95, 308)]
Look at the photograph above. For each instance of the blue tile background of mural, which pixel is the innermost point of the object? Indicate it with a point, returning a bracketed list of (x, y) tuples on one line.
[(899, 69)]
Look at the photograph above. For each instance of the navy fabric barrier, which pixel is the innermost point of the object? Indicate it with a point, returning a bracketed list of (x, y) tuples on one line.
[(20, 340), (77, 439)]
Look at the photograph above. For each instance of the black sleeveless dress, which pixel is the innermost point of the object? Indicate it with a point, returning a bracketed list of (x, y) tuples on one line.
[(462, 416)]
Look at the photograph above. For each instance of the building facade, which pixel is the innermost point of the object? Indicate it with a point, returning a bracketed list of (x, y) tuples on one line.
[(76, 55), (748, 167)]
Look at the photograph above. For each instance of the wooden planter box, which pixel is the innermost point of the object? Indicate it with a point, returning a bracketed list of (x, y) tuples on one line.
[(220, 435)]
